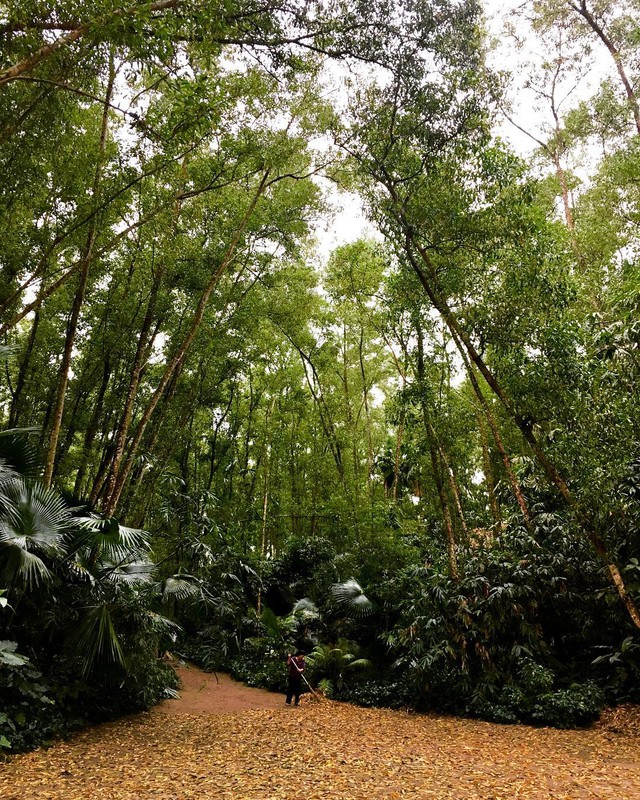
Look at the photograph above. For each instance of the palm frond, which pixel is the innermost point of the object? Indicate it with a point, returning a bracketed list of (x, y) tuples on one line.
[(163, 624), (77, 570), (306, 609), (7, 475), (35, 518), (361, 663), (95, 640), (21, 568), (270, 620), (133, 573), (181, 587), (18, 451), (108, 541), (134, 538), (351, 599)]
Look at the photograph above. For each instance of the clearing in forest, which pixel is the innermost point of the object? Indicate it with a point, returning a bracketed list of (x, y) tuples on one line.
[(224, 740)]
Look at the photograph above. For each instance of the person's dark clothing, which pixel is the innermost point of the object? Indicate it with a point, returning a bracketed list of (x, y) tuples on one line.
[(296, 666)]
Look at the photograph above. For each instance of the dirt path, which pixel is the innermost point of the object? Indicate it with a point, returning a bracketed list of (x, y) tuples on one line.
[(209, 693), (223, 741)]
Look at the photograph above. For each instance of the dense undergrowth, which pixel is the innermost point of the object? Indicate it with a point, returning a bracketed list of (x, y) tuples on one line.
[(79, 622), (529, 631)]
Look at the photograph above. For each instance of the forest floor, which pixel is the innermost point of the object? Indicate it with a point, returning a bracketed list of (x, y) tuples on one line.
[(222, 740)]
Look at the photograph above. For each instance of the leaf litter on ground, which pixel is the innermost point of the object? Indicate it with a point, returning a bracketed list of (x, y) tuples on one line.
[(325, 750)]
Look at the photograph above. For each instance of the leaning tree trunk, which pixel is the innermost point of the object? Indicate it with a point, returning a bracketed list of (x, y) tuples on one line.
[(430, 283), (497, 438), (142, 351), (78, 300), (581, 9), (433, 451), (132, 390), (451, 477), (112, 498)]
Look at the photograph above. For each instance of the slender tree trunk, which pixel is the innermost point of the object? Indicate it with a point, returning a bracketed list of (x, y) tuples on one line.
[(216, 432), (78, 299), (564, 188), (161, 461), (497, 438), (444, 504), (153, 432), (92, 429), (453, 483), (296, 500), (267, 476), (111, 501), (581, 9), (70, 433), (265, 493), (105, 448), (402, 372), (14, 414), (396, 458), (355, 500), (324, 413), (446, 514), (367, 414), (490, 483), (142, 351), (434, 291), (134, 383)]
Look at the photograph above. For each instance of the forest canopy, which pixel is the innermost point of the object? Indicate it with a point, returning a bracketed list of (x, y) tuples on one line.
[(416, 458)]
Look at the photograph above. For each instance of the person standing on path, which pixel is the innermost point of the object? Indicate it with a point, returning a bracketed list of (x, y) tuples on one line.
[(296, 666)]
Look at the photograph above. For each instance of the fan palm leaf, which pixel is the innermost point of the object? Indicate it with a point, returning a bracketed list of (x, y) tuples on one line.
[(181, 587), (33, 525), (163, 624), (18, 452), (7, 475), (305, 609), (134, 572), (22, 569), (97, 541), (350, 598)]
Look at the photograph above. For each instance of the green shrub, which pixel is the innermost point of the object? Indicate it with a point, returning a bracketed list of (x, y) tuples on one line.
[(33, 710), (326, 687), (575, 706), (37, 707), (379, 694), (207, 655), (580, 704), (269, 674), (147, 681)]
